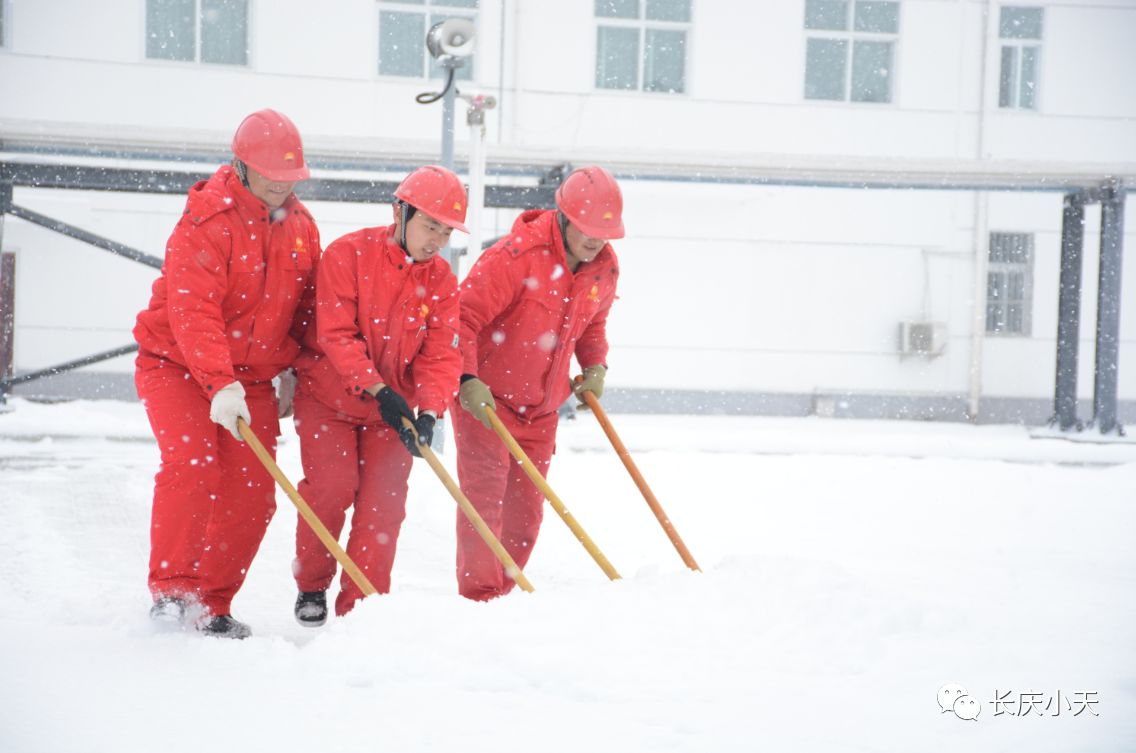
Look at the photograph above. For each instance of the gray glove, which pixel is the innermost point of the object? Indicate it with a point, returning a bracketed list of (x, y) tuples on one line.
[(593, 382), (475, 397)]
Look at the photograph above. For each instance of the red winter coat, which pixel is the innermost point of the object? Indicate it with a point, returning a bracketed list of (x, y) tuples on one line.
[(380, 317), (236, 291), (523, 315)]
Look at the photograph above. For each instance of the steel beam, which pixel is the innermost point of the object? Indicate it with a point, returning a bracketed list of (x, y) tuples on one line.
[(86, 178)]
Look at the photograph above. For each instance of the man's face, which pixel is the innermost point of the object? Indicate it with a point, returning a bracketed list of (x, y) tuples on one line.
[(425, 236), (581, 248), (271, 192)]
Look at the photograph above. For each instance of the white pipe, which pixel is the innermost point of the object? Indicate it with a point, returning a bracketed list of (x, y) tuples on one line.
[(981, 230), (476, 188)]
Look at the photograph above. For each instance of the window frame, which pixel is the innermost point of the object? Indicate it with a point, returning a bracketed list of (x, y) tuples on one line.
[(426, 8), (642, 25), (1017, 46), (197, 38), (1026, 270), (850, 35)]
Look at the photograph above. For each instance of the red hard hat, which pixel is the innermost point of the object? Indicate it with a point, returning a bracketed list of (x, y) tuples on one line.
[(437, 192), (268, 142), (591, 200)]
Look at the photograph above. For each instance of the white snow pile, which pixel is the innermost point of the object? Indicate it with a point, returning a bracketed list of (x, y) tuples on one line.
[(850, 569)]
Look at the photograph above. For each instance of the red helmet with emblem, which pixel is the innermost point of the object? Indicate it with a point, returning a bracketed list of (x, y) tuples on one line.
[(437, 192), (268, 142), (590, 198)]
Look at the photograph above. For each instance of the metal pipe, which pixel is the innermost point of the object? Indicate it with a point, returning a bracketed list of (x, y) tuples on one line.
[(1069, 311), (981, 230), (475, 118), (1108, 311), (71, 231), (68, 366), (7, 319)]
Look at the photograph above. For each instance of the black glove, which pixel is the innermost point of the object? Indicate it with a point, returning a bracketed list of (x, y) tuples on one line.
[(424, 425), (393, 408)]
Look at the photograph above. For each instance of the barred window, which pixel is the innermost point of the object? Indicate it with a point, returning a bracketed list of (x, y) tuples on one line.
[(1009, 284), (850, 49), (641, 44), (1020, 31), (204, 31)]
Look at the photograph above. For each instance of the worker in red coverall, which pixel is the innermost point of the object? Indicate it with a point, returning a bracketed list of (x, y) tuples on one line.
[(386, 340), (532, 301), (235, 296)]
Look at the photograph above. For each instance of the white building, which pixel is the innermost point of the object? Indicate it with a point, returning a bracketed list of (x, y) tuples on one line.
[(787, 298)]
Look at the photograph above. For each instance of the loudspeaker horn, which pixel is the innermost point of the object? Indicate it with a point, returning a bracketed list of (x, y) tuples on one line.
[(454, 36)]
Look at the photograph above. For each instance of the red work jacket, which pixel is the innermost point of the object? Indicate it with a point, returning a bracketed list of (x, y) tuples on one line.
[(381, 317), (523, 315), (237, 291)]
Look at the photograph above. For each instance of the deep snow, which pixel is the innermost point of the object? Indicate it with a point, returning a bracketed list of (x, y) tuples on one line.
[(851, 569)]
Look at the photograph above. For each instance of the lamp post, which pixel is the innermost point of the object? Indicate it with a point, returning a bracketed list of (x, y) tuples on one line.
[(450, 42)]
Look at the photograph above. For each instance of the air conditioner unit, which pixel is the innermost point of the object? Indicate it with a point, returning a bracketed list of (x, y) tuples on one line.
[(927, 339)]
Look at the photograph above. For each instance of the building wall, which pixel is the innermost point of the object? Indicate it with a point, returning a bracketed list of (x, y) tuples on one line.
[(725, 287)]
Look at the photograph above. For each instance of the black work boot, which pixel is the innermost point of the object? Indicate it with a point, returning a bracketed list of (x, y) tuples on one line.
[(224, 626), (168, 610), (311, 608)]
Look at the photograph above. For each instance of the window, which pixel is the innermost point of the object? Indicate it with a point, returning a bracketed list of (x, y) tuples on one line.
[(839, 29), (1020, 31), (658, 28), (1009, 284), (206, 31), (402, 36)]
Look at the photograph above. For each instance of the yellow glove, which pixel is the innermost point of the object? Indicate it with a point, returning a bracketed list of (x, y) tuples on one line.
[(593, 382), (474, 395)]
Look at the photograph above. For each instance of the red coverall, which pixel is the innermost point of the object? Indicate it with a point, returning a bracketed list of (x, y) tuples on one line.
[(380, 317), (233, 300), (523, 315)]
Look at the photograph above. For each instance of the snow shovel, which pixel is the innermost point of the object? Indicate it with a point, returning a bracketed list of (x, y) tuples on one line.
[(593, 402), (546, 490), (305, 511), (471, 513)]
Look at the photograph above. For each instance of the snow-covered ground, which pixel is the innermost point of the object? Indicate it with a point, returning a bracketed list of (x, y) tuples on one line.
[(850, 570)]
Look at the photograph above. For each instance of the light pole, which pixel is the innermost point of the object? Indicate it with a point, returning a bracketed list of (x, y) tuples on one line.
[(450, 42)]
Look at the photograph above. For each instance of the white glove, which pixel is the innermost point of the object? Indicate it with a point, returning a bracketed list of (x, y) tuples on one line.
[(228, 405), (285, 391)]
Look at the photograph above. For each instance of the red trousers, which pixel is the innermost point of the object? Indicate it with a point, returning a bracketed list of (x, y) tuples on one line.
[(348, 461), (213, 498), (511, 505)]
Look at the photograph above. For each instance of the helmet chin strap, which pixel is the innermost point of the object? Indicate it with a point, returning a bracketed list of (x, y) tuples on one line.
[(405, 213), (242, 171), (562, 221)]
